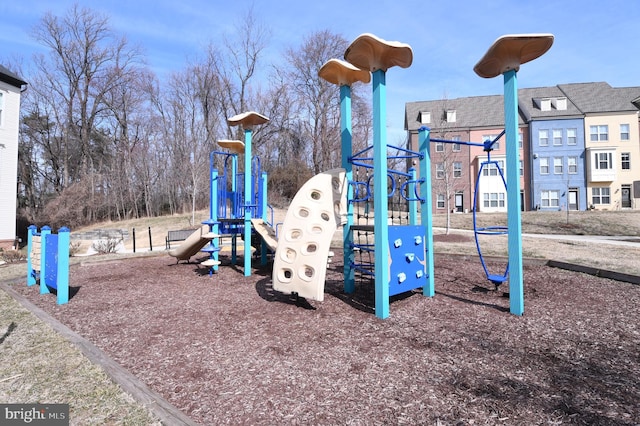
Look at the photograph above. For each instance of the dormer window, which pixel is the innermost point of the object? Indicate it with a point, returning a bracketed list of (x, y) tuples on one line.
[(559, 103), (451, 116), (425, 117), (545, 104)]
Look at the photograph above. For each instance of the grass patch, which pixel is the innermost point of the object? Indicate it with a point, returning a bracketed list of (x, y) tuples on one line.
[(38, 365)]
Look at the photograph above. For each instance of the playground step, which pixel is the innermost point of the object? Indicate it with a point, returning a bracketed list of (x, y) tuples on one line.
[(210, 262), (211, 235)]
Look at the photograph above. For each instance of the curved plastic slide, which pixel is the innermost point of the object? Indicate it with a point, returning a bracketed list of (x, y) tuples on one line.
[(193, 244), (302, 253), (266, 232)]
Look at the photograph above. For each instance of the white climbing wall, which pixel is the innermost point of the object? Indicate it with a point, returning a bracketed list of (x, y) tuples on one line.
[(319, 207)]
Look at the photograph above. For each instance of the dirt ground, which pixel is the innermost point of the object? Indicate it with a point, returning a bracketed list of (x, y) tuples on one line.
[(228, 349)]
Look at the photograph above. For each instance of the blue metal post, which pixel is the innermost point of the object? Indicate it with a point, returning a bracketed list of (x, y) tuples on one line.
[(380, 199), (411, 195), (213, 212), (426, 217), (63, 266), (247, 200), (262, 199), (346, 151), (514, 225), (46, 230), (234, 207), (31, 273)]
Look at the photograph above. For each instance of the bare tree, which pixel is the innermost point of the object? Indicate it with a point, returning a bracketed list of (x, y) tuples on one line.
[(316, 118), (86, 61), (448, 160)]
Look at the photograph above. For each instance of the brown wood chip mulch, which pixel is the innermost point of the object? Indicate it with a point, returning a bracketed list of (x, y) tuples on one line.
[(227, 349)]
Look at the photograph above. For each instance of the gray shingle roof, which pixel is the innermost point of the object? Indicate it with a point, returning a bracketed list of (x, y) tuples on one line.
[(10, 78), (478, 111), (531, 111), (488, 111), (600, 97)]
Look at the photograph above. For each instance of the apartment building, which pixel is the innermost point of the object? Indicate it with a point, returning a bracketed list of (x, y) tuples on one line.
[(455, 167), (10, 89), (557, 150), (612, 143), (579, 148)]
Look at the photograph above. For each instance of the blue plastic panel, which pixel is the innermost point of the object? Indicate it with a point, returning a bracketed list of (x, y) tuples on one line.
[(408, 253)]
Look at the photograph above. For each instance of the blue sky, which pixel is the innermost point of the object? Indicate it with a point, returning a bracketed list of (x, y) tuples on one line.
[(594, 40)]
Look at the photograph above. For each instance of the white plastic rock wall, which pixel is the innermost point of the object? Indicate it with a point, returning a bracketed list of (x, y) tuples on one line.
[(304, 242)]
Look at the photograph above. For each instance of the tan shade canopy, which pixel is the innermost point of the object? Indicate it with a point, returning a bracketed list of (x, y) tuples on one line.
[(234, 146), (510, 51), (372, 53), (343, 73), (247, 119)]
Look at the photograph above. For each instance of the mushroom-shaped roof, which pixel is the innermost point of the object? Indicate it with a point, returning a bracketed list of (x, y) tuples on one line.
[(247, 119), (372, 53), (343, 73), (510, 51), (232, 145)]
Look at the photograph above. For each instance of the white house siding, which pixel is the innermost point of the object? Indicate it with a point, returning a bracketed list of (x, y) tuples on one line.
[(9, 126), (492, 184)]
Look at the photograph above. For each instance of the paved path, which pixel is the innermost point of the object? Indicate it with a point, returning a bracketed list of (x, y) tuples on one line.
[(618, 240)]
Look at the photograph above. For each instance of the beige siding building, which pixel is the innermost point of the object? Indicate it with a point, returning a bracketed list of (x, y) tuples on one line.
[(612, 143)]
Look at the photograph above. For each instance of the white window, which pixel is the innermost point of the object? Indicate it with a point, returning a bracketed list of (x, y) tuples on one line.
[(439, 146), (624, 132), (521, 167), (557, 137), (520, 143), (493, 199), (440, 171), (572, 136), (491, 169), (600, 196), (543, 137), (603, 160), (557, 165), (425, 117), (559, 103), (572, 165), (544, 165), (457, 169), (626, 160), (599, 133), (440, 201), (545, 104), (550, 198), (456, 146), (451, 116)]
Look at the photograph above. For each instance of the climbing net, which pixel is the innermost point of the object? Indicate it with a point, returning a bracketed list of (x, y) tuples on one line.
[(401, 192)]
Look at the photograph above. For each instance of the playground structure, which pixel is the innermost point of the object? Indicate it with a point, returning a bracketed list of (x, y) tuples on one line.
[(237, 202), (48, 261), (374, 202), (400, 257)]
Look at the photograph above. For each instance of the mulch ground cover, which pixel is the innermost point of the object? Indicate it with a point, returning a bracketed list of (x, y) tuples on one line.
[(228, 349)]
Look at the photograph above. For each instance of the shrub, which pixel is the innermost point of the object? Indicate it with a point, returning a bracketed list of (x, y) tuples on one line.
[(107, 245), (12, 256), (74, 248)]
